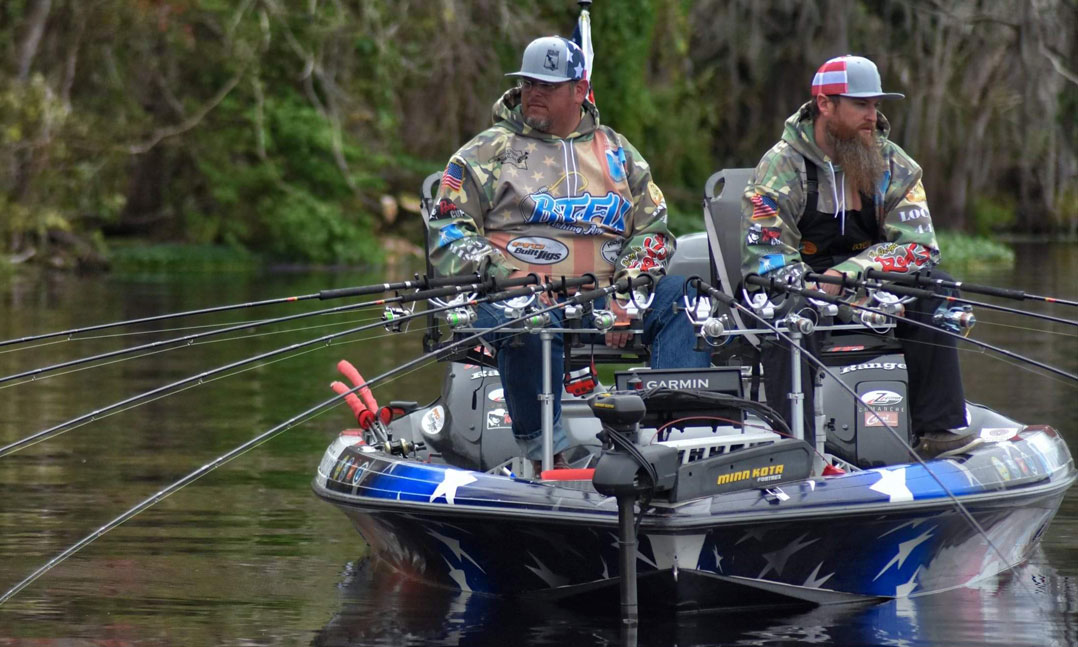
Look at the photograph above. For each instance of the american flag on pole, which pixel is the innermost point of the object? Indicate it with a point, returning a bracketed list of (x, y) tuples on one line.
[(582, 37), (453, 176), (831, 78)]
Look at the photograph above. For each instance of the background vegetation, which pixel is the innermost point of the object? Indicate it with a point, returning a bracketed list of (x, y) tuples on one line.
[(300, 131)]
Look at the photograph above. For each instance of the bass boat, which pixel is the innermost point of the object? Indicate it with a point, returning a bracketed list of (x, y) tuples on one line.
[(686, 493)]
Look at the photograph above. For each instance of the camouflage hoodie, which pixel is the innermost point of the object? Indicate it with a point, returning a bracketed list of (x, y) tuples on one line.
[(522, 199), (775, 198)]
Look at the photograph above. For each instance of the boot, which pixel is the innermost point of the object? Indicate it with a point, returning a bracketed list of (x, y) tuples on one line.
[(941, 444), (559, 464)]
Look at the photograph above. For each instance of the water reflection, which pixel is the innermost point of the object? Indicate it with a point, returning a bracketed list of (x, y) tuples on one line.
[(1032, 605)]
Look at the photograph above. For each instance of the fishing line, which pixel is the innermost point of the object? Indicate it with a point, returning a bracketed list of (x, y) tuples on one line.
[(287, 424), (249, 322), (191, 386), (1022, 367), (179, 342), (966, 514), (366, 290), (1025, 328), (191, 344), (325, 339)]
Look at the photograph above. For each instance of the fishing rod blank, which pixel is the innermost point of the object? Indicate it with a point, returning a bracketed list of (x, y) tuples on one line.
[(917, 279), (365, 290), (755, 279), (189, 339), (93, 415), (902, 288), (287, 424)]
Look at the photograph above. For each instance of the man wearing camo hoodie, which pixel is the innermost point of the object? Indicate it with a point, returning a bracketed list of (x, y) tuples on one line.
[(836, 196), (549, 190)]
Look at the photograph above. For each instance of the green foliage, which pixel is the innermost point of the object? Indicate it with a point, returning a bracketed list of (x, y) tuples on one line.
[(972, 252), (278, 127), (274, 173), (993, 215)]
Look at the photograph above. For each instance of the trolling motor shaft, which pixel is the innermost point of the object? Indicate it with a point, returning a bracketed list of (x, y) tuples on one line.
[(626, 471)]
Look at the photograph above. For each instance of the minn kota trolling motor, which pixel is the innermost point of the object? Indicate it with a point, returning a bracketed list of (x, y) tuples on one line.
[(629, 472)]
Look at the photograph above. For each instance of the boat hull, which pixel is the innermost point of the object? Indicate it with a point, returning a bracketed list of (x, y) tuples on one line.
[(882, 533)]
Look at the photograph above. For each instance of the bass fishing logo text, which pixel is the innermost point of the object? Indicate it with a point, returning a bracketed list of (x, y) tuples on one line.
[(601, 214)]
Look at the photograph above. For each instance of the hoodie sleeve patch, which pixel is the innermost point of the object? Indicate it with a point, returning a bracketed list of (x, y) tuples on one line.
[(763, 207), (453, 176)]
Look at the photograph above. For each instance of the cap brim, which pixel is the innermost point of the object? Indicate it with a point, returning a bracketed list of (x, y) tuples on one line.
[(874, 95), (540, 77)]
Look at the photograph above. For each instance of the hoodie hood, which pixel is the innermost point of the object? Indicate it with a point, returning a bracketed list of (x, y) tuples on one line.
[(798, 133), (506, 113)]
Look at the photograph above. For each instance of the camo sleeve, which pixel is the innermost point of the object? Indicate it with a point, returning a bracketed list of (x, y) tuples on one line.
[(770, 208), (456, 238), (909, 241), (649, 244)]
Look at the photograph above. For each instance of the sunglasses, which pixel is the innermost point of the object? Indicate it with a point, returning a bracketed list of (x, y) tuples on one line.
[(530, 84)]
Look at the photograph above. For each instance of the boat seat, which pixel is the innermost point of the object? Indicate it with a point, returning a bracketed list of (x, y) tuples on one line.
[(580, 354)]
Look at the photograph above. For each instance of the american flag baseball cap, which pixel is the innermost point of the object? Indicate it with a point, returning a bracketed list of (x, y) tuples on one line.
[(850, 76), (552, 59)]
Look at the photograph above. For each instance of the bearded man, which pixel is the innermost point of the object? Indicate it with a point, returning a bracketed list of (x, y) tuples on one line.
[(836, 196)]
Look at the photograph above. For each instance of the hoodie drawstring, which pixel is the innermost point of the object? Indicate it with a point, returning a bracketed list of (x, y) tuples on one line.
[(834, 195), (568, 154)]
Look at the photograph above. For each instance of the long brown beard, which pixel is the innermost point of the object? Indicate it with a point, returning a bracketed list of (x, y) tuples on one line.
[(859, 158)]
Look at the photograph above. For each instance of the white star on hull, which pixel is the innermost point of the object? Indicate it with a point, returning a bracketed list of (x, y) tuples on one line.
[(452, 480)]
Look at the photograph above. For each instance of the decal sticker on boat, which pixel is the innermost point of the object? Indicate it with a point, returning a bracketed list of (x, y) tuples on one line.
[(759, 474), (498, 419), (537, 250), (1004, 473), (886, 366), (433, 421), (999, 434), (484, 372), (881, 398), (881, 418), (496, 395)]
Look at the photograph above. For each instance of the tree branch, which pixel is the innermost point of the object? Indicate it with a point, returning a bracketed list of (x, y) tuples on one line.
[(191, 122)]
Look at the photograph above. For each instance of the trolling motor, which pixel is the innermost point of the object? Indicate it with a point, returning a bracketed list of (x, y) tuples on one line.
[(627, 472)]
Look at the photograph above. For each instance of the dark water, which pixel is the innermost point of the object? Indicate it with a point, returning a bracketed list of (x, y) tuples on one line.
[(248, 556)]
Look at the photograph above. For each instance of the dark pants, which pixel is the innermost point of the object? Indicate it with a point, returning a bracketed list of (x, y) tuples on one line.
[(937, 401)]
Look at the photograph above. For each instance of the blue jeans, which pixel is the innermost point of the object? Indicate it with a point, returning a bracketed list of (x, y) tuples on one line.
[(668, 332)]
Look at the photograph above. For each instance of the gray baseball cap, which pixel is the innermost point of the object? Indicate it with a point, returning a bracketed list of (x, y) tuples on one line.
[(851, 76), (552, 59)]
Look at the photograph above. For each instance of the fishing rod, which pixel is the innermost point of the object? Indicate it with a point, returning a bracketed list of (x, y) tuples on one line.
[(426, 294), (563, 284), (424, 283), (851, 282), (165, 344), (917, 280), (732, 302), (755, 279)]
